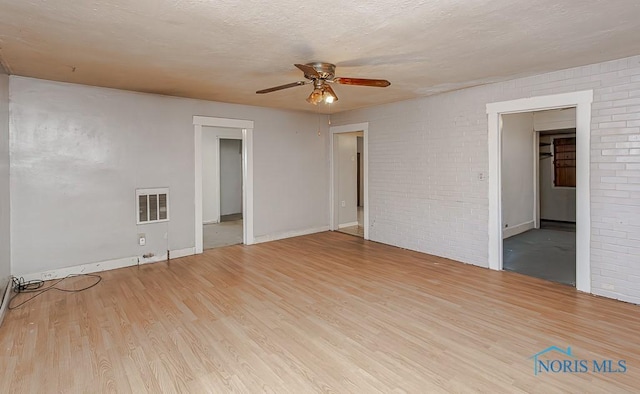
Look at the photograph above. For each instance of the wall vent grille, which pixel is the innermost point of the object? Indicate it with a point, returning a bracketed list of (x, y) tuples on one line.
[(152, 205)]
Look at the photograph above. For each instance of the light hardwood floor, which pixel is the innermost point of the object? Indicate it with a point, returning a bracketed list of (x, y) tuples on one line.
[(327, 312)]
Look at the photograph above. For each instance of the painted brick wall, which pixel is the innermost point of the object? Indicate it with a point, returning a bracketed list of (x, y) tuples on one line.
[(428, 162)]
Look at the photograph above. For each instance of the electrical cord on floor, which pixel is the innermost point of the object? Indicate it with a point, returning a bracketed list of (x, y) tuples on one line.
[(35, 286)]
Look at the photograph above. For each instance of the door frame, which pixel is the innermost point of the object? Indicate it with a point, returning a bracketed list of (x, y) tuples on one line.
[(247, 174), (582, 102), (333, 200), (359, 179), (536, 179)]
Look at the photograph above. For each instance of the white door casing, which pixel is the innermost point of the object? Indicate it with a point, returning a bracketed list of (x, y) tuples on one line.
[(349, 128), (247, 174), (582, 102)]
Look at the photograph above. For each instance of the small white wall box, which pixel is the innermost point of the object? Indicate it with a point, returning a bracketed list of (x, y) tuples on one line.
[(152, 205)]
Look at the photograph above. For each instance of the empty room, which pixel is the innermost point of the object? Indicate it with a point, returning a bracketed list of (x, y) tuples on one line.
[(349, 197)]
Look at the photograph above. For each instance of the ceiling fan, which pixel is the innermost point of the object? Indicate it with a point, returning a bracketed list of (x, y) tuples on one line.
[(321, 75)]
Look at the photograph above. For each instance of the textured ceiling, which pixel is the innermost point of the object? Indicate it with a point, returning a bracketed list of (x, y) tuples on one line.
[(225, 50)]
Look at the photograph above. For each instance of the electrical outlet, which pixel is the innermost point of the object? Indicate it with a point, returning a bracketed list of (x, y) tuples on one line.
[(343, 204), (142, 239)]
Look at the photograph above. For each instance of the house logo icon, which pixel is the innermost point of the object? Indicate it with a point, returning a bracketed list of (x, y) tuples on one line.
[(535, 357)]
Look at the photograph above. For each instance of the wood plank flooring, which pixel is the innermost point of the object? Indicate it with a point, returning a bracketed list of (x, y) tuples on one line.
[(326, 312)]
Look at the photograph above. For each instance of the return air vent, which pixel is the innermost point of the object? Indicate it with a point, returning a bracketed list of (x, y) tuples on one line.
[(152, 205)]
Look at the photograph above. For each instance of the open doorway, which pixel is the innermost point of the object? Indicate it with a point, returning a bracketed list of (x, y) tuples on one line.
[(222, 219), (348, 173), (539, 194), (349, 165), (582, 102), (244, 129)]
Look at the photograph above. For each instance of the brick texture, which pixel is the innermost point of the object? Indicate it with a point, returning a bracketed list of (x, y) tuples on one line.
[(428, 162)]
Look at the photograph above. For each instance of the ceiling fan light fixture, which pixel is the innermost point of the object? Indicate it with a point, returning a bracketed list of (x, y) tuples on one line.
[(321, 74), (315, 97), (328, 97)]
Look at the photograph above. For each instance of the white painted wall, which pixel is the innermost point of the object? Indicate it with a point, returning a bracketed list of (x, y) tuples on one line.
[(517, 174), (5, 223), (554, 119), (556, 203), (347, 186), (428, 161), (78, 153), (230, 176)]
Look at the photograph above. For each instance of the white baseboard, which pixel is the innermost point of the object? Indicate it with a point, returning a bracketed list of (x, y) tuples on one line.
[(82, 269), (5, 301), (106, 265), (517, 229), (175, 254), (210, 222), (289, 234), (343, 225)]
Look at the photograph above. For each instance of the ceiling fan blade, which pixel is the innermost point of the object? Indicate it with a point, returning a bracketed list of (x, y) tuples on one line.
[(287, 86), (329, 89), (308, 70), (378, 83)]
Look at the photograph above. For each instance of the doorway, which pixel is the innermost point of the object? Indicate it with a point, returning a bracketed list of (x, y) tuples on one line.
[(216, 130), (582, 102), (221, 187), (347, 164), (539, 194), (349, 199)]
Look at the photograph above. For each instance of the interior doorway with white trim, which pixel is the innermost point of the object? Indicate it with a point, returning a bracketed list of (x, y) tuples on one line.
[(349, 168), (222, 187), (582, 101), (539, 194), (348, 154), (245, 128)]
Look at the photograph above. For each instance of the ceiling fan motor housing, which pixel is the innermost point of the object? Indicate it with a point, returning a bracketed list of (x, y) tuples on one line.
[(327, 71)]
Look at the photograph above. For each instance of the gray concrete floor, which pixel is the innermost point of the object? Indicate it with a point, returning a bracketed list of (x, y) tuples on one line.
[(225, 233), (547, 253)]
